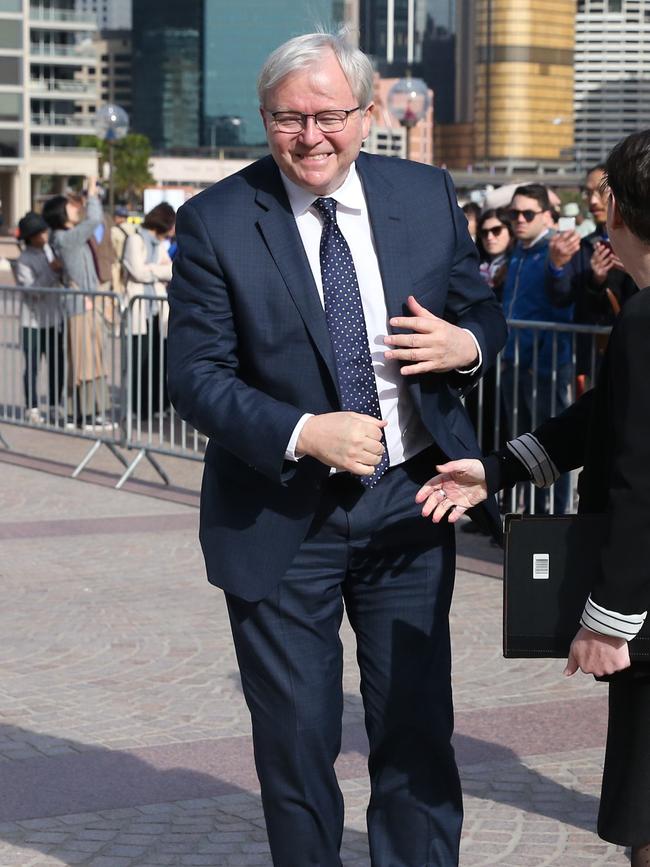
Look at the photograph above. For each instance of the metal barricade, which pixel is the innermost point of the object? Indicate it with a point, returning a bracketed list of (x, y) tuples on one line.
[(151, 424), (60, 364), (519, 394), (89, 365)]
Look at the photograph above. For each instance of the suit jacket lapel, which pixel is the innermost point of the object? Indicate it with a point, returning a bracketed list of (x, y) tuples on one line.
[(278, 227)]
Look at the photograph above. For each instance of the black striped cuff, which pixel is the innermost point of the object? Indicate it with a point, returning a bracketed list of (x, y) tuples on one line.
[(532, 454)]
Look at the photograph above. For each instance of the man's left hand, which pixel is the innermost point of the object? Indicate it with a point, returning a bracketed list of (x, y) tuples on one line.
[(434, 345), (597, 654)]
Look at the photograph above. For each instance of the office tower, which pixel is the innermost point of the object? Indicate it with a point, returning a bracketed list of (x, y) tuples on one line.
[(44, 48), (195, 65), (115, 70), (238, 37), (612, 75), (523, 108), (416, 37)]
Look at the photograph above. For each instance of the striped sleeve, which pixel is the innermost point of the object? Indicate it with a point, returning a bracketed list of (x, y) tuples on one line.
[(599, 619), (532, 454)]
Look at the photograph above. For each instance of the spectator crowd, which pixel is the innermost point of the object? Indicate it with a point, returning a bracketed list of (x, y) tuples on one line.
[(73, 245)]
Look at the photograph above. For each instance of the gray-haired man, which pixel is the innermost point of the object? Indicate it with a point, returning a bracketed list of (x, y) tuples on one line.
[(290, 281)]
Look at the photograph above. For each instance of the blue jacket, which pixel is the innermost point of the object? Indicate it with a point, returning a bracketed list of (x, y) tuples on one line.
[(525, 297)]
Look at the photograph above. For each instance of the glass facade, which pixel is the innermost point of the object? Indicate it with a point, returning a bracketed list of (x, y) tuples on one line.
[(432, 56), (238, 36), (167, 73)]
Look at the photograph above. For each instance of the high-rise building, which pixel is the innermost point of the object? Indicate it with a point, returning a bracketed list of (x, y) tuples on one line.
[(523, 109), (417, 37), (43, 49), (115, 70), (513, 85), (612, 75), (238, 38), (168, 71), (195, 64), (110, 14)]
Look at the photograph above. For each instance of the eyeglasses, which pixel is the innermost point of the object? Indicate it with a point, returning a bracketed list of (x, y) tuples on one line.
[(333, 120), (587, 194), (492, 230), (528, 215)]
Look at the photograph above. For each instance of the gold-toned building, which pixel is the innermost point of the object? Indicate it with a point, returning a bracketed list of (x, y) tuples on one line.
[(523, 99)]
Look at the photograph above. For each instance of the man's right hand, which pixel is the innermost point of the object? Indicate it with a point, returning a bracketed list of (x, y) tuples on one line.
[(562, 248), (344, 440), (602, 261)]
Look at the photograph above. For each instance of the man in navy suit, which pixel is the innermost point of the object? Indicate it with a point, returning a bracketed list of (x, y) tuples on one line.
[(306, 289)]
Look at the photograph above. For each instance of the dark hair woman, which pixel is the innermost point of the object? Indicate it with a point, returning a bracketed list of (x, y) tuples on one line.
[(495, 239), (87, 377)]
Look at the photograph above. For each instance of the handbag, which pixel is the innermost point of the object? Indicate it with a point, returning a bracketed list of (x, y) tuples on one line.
[(549, 569)]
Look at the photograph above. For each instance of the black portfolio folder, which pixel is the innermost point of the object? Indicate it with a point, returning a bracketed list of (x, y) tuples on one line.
[(550, 564)]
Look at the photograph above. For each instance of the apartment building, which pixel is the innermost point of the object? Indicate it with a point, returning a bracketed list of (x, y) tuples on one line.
[(43, 47), (612, 75)]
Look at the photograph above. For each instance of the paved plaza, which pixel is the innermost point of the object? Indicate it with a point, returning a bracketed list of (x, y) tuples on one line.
[(124, 738)]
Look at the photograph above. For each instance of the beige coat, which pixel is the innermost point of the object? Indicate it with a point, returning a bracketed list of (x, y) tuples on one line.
[(138, 273)]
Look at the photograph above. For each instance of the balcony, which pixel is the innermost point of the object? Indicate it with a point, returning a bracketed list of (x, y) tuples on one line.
[(41, 148), (50, 88), (74, 124), (79, 55), (63, 19)]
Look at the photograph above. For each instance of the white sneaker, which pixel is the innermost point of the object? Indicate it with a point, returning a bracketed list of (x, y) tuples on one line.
[(34, 416), (100, 423)]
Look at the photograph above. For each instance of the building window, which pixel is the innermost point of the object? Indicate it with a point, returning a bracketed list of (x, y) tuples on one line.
[(615, 5), (10, 70), (11, 35), (11, 105), (10, 6), (10, 143)]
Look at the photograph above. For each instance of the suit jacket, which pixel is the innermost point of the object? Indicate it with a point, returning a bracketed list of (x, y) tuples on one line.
[(250, 353), (607, 432)]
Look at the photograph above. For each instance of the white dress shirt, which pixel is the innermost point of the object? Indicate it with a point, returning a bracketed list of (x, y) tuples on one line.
[(405, 433)]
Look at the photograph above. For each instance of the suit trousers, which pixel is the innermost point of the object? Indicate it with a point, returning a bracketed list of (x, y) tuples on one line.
[(368, 550)]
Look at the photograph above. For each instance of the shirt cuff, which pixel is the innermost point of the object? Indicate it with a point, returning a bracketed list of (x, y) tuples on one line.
[(555, 272), (290, 453), (468, 371), (532, 454), (599, 619)]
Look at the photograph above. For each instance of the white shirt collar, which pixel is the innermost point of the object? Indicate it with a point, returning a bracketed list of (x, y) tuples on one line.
[(541, 235), (349, 194)]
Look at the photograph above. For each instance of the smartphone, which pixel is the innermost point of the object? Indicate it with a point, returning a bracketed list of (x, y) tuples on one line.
[(605, 243), (566, 224)]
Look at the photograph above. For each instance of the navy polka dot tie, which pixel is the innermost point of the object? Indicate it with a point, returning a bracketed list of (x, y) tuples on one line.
[(347, 326)]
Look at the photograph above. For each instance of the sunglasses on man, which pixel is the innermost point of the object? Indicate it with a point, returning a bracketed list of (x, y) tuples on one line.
[(492, 230), (527, 214)]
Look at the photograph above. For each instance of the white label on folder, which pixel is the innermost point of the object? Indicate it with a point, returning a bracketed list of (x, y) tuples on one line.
[(540, 567)]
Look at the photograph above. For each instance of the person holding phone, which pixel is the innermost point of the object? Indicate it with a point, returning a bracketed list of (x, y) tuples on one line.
[(587, 273)]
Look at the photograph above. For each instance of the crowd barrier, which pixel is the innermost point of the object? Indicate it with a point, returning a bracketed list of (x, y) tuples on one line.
[(92, 365)]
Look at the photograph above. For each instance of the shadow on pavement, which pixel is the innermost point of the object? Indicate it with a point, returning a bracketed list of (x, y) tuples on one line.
[(72, 781)]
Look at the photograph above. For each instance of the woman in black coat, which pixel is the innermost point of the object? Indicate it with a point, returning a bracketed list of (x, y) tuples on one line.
[(607, 432)]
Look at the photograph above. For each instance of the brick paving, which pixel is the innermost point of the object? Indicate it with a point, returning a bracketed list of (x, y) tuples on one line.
[(124, 738)]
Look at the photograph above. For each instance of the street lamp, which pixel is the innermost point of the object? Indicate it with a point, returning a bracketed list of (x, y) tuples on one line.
[(112, 124), (408, 102)]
